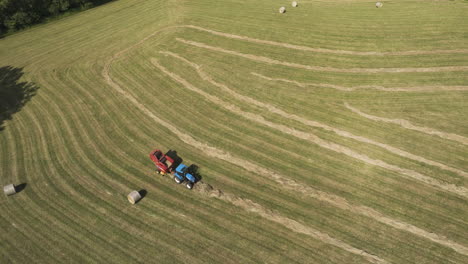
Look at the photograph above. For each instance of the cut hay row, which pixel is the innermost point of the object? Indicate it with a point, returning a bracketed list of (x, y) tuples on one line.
[(79, 198), (321, 50), (295, 226), (137, 165), (459, 190), (42, 195), (291, 224), (211, 151), (375, 87), (134, 221), (321, 68), (90, 139), (216, 153), (150, 242), (57, 214), (22, 227), (343, 204), (309, 191), (312, 123), (408, 125), (270, 172), (77, 131), (81, 146)]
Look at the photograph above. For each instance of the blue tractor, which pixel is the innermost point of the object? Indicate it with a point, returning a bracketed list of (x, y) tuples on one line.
[(183, 173)]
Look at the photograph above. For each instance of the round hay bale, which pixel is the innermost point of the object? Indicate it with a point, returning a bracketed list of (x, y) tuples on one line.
[(9, 189), (294, 4), (134, 197), (378, 4), (282, 9)]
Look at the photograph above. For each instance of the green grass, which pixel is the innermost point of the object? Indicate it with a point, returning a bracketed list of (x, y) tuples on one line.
[(81, 146)]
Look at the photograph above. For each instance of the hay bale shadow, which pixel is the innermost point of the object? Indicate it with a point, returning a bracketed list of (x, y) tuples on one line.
[(21, 187), (142, 193)]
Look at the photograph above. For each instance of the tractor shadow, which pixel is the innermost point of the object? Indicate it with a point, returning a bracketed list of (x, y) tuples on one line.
[(173, 155), (14, 94), (195, 171)]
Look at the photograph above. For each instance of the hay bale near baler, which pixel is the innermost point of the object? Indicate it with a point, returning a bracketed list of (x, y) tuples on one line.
[(134, 197)]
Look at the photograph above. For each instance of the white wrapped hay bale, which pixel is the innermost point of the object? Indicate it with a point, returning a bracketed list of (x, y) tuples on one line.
[(378, 4), (282, 9), (294, 4), (134, 197), (9, 189)]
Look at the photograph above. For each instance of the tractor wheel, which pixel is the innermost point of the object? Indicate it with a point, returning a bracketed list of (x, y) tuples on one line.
[(177, 180), (189, 185)]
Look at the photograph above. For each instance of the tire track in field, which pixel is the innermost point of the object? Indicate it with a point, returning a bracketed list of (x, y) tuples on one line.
[(66, 234), (309, 122), (216, 153), (123, 224), (78, 198), (213, 152), (79, 152), (343, 204), (24, 226), (321, 68), (134, 80), (47, 199), (289, 223), (459, 190), (407, 124), (105, 142), (139, 165), (93, 190), (128, 225), (332, 199), (375, 87), (322, 50)]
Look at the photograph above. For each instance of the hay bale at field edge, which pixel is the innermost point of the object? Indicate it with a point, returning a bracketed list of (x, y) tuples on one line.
[(378, 4), (9, 189), (294, 4), (133, 197), (282, 9)]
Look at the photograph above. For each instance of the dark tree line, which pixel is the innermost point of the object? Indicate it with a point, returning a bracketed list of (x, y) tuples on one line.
[(18, 14)]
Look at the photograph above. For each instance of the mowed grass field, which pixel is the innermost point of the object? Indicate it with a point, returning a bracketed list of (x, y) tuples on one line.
[(334, 133)]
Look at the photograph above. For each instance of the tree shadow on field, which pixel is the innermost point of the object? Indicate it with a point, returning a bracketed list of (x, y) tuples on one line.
[(13, 93)]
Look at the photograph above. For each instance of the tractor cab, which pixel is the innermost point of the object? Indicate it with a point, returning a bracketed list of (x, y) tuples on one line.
[(184, 173)]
